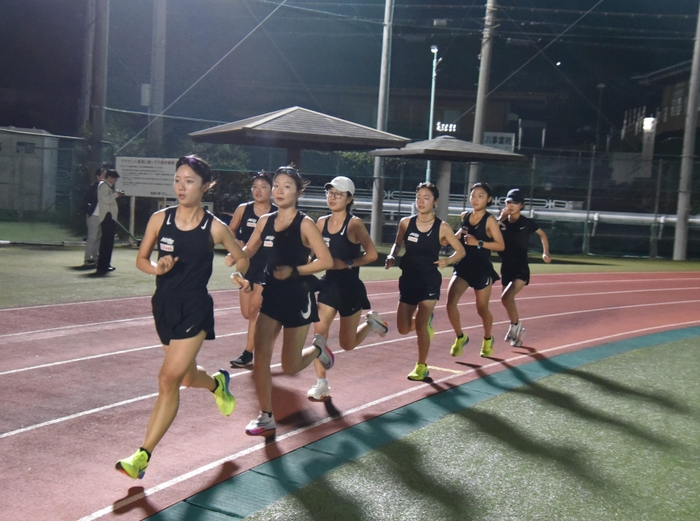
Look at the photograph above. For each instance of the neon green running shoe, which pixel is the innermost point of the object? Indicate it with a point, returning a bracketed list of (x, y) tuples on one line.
[(135, 465), (487, 347), (431, 329), (224, 399), (458, 346), (419, 373)]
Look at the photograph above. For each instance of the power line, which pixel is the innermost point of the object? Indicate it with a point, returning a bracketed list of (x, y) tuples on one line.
[(202, 76)]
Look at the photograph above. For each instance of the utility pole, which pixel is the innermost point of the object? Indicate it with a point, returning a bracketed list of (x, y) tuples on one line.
[(434, 50), (377, 219), (483, 87), (680, 244), (88, 48), (98, 98), (155, 129)]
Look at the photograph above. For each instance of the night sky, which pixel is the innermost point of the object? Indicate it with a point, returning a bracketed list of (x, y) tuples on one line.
[(41, 53)]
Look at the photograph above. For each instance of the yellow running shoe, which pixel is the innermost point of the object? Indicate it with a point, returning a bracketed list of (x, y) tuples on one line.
[(224, 399), (431, 329), (419, 373), (487, 347), (458, 346), (135, 465)]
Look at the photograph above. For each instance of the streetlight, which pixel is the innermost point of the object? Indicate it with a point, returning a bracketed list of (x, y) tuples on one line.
[(434, 50), (600, 88)]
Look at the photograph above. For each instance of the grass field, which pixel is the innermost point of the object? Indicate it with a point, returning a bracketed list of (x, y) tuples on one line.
[(34, 275)]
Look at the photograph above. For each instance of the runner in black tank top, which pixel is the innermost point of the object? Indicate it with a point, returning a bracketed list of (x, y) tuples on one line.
[(480, 235), (419, 285), (182, 308), (342, 291), (288, 299), (243, 223), (515, 270)]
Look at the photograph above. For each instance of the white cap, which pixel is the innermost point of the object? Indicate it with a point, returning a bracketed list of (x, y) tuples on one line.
[(342, 184)]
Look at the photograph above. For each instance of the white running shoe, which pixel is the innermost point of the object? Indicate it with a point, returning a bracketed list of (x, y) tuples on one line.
[(319, 391), (326, 355), (264, 422), (509, 334), (378, 325), (518, 333)]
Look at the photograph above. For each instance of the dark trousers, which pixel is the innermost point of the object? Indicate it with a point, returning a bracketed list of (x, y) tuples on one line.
[(109, 228)]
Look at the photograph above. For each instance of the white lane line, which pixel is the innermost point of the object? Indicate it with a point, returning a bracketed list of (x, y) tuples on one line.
[(364, 346), (420, 386)]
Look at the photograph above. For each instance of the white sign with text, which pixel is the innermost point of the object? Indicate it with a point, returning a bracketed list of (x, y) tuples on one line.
[(146, 176)]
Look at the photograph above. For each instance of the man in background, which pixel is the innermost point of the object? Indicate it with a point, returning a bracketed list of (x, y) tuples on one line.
[(107, 196), (92, 217)]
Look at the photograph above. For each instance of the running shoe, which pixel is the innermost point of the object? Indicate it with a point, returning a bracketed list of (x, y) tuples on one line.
[(519, 333), (244, 360), (419, 373), (319, 391), (458, 346), (135, 465), (325, 355), (509, 335), (487, 347), (224, 399), (264, 422), (431, 329), (378, 325)]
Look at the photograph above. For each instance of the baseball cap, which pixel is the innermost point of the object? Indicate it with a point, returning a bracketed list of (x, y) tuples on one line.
[(515, 196), (342, 184)]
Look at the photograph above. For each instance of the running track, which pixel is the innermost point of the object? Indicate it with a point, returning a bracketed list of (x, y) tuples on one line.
[(78, 382)]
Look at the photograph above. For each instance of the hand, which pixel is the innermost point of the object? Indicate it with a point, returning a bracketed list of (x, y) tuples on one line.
[(390, 261), (241, 282), (119, 192), (228, 260), (470, 240), (339, 265), (282, 272), (441, 263), (165, 264), (546, 258)]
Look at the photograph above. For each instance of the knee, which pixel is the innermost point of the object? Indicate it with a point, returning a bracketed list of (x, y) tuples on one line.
[(168, 383), (347, 344), (290, 368)]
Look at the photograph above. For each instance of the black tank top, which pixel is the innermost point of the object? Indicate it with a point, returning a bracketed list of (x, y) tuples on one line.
[(285, 247), (248, 221), (340, 245), (194, 250), (422, 248), (474, 254)]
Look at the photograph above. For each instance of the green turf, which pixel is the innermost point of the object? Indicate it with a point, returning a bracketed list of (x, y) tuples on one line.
[(32, 275), (615, 439), (37, 232)]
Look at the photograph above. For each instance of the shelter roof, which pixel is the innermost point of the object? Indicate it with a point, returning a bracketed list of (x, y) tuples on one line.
[(448, 148), (301, 128)]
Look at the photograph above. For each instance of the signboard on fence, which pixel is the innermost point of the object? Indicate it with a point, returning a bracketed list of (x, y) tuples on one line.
[(501, 140), (146, 176)]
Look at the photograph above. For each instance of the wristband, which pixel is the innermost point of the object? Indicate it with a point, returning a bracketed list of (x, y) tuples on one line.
[(236, 273)]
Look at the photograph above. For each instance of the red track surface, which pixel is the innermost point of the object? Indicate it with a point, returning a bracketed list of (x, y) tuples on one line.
[(78, 382)]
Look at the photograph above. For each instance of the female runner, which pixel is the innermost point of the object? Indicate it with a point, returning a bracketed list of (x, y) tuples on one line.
[(288, 300), (515, 272), (342, 290), (182, 308), (480, 235), (242, 224), (419, 285)]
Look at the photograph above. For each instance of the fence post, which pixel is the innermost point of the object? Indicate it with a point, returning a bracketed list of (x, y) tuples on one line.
[(654, 239), (586, 228)]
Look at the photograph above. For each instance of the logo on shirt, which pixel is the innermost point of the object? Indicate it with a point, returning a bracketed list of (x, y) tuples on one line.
[(204, 226), (269, 241), (327, 240), (167, 244), (169, 216), (250, 223), (412, 237)]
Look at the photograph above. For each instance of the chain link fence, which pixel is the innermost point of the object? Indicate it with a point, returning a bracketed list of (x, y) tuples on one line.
[(604, 204)]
